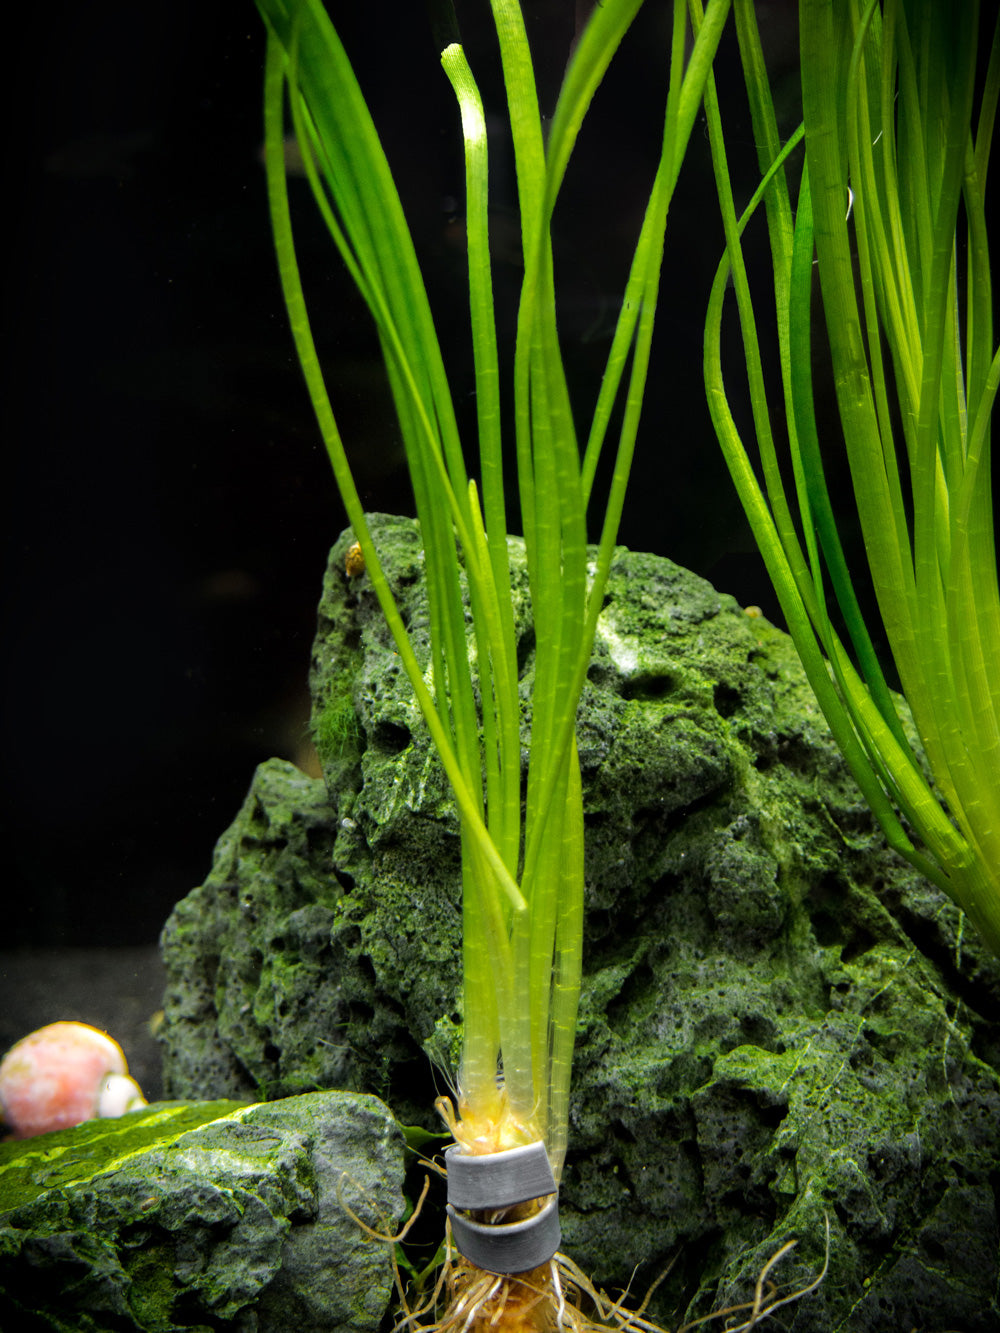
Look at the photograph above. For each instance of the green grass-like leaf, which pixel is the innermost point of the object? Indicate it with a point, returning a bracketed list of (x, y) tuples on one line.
[(891, 165), (522, 873)]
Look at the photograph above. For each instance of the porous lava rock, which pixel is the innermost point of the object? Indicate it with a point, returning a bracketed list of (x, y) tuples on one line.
[(783, 1029)]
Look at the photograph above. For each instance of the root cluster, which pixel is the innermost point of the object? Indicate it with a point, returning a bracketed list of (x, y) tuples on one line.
[(559, 1296), (555, 1298)]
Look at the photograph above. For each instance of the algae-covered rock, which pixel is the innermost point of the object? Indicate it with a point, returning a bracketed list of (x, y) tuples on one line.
[(782, 1026), (198, 1216)]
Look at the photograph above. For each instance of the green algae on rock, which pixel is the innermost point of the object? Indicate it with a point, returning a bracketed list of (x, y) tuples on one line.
[(216, 1215), (780, 1022)]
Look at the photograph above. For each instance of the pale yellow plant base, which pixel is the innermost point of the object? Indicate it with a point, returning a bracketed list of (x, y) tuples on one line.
[(480, 1133)]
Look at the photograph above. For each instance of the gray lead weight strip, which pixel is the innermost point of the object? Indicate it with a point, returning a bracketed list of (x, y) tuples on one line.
[(496, 1180), (509, 1247)]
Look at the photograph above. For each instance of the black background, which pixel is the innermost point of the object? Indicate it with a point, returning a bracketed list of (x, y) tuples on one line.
[(168, 505)]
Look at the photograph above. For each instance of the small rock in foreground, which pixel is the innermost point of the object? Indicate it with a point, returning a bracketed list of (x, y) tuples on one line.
[(203, 1215)]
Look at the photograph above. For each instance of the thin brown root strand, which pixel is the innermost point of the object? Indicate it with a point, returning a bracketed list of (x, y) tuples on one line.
[(610, 1313), (766, 1299), (413, 1318), (370, 1231), (618, 1312)]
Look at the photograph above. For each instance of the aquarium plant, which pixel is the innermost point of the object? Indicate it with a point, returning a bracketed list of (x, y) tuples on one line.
[(521, 835), (890, 212)]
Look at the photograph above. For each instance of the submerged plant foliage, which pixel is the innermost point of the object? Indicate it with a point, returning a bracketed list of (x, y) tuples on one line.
[(522, 840), (891, 210), (522, 877)]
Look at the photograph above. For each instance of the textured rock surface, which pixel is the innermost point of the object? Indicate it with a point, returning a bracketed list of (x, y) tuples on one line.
[(781, 1023), (202, 1216)]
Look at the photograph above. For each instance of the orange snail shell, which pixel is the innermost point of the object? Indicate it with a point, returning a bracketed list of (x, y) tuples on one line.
[(354, 561)]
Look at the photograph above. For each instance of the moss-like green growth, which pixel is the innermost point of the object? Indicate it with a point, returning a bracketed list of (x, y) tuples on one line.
[(336, 726), (780, 1020), (29, 1167)]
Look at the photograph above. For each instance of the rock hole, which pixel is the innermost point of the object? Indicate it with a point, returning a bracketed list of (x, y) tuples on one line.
[(391, 737), (727, 699), (649, 687)]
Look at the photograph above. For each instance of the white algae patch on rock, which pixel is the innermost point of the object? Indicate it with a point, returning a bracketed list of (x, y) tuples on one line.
[(781, 1023), (197, 1216)]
